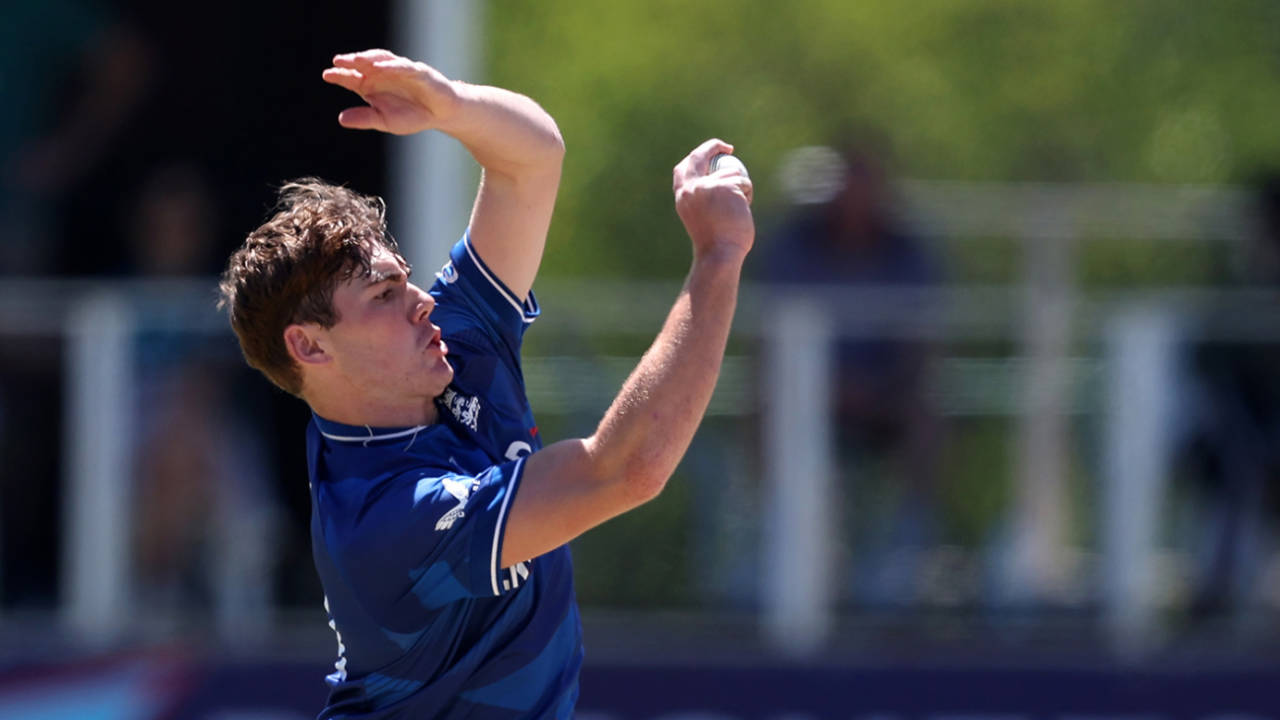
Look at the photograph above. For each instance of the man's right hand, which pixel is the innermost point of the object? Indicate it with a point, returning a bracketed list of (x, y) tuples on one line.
[(715, 208), (514, 140), (403, 96)]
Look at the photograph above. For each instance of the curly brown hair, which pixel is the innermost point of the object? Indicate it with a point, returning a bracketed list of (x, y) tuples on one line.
[(285, 273)]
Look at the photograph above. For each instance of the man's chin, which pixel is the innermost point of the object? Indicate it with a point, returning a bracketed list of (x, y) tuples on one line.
[(445, 372)]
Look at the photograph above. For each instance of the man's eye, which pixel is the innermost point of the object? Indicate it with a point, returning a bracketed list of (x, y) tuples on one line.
[(386, 294)]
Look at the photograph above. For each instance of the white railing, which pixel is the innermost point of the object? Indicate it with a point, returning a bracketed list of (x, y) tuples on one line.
[(97, 318), (99, 376)]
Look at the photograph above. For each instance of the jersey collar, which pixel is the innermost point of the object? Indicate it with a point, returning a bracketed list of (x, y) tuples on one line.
[(340, 432)]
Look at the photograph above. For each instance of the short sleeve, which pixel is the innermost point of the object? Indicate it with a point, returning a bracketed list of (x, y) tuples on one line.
[(435, 539), (467, 518), (466, 291)]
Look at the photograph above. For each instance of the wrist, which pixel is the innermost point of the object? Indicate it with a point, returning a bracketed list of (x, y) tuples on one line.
[(451, 115), (726, 259)]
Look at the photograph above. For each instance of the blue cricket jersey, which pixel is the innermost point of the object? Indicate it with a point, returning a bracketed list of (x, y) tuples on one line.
[(407, 526)]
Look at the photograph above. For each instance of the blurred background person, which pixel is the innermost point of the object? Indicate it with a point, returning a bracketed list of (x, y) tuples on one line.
[(1232, 441), (889, 433), (206, 516), (72, 73)]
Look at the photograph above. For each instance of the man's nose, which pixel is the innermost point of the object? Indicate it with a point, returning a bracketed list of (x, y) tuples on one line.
[(425, 304)]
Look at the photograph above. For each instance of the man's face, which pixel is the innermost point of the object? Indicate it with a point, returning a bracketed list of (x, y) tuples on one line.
[(384, 347)]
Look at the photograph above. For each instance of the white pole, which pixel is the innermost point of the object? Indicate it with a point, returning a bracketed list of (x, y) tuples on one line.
[(433, 179), (797, 517), (1039, 520), (99, 415), (1140, 382)]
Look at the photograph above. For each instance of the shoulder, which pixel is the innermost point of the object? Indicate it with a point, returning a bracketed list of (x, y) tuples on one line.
[(471, 296)]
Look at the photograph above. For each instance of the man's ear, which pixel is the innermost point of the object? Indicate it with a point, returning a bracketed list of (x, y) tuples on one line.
[(304, 346)]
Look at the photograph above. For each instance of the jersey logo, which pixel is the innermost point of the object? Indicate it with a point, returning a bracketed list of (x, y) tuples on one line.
[(518, 449), (465, 409), (448, 274), (516, 574), (340, 667), (461, 490)]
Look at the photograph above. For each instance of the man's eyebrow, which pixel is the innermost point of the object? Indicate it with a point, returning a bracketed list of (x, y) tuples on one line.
[(377, 276)]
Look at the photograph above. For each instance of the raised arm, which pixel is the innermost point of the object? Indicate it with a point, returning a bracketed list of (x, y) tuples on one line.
[(515, 141), (574, 485)]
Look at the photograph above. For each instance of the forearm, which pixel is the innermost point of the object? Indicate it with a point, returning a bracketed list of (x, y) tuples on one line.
[(507, 133), (574, 485), (647, 429)]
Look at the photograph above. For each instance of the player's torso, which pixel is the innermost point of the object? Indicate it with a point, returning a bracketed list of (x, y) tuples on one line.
[(484, 420), (429, 654), (529, 633)]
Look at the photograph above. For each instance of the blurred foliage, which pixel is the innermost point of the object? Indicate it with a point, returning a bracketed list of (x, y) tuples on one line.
[(1151, 263), (979, 487), (640, 558), (1061, 90), (1153, 91)]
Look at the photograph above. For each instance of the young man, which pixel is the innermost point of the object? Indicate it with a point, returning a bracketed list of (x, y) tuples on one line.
[(439, 522)]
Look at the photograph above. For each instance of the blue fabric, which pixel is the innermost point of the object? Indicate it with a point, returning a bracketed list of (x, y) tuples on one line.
[(407, 529)]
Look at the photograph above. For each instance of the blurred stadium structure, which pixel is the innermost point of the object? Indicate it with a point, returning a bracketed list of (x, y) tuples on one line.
[(1062, 576), (1105, 366)]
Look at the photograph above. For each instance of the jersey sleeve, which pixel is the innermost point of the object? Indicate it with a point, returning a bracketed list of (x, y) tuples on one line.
[(432, 540), (453, 539), (467, 292)]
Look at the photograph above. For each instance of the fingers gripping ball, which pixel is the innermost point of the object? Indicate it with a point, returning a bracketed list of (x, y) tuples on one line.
[(725, 160)]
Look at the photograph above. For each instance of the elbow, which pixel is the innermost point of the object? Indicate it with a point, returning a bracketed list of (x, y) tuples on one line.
[(641, 486), (636, 491), (554, 149), (634, 479), (557, 140), (545, 160), (551, 142)]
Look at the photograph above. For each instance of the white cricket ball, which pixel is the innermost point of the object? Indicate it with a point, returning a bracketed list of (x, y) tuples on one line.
[(725, 160)]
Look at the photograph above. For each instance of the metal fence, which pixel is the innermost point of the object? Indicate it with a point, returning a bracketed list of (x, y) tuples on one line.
[(763, 480)]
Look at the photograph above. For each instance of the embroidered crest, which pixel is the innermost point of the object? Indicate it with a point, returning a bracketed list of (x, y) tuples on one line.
[(466, 409)]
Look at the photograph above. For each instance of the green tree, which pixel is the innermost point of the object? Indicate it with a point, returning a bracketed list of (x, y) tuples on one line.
[(1141, 90)]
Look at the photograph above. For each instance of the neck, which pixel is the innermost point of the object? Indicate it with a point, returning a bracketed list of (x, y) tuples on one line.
[(355, 412)]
